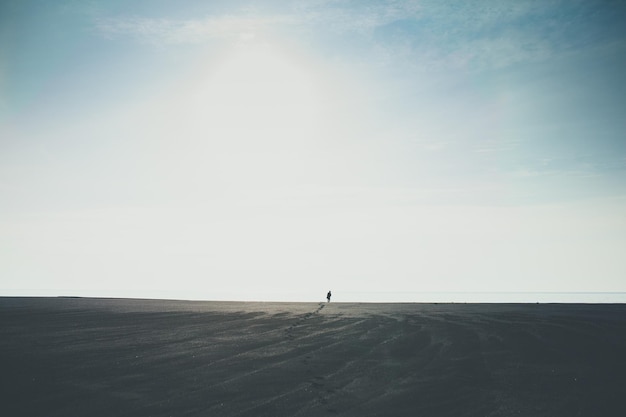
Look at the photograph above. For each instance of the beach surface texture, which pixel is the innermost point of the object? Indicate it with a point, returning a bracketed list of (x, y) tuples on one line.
[(112, 357)]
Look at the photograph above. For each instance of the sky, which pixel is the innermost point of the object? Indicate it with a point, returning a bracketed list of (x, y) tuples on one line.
[(273, 150)]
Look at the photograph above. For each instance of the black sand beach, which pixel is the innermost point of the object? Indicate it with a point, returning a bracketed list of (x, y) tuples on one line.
[(106, 357)]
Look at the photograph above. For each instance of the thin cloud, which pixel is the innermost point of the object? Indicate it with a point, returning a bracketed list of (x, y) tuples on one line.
[(323, 16), (174, 32), (427, 35), (482, 35), (355, 17)]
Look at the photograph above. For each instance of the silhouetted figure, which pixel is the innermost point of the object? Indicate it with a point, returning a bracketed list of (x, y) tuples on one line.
[(328, 296)]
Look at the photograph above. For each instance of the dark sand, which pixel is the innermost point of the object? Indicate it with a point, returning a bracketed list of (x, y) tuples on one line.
[(95, 357)]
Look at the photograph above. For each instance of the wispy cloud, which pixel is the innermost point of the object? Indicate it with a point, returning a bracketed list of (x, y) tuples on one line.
[(491, 34), (426, 34), (173, 32), (327, 16), (355, 17)]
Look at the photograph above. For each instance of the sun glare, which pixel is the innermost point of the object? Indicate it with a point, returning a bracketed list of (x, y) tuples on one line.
[(258, 95), (254, 113)]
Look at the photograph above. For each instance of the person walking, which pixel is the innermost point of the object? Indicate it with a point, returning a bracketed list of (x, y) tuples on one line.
[(328, 296)]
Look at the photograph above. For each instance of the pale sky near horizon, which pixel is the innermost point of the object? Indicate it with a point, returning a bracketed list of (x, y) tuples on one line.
[(272, 150)]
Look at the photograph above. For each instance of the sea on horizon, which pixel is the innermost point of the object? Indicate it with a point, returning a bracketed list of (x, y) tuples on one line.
[(346, 296)]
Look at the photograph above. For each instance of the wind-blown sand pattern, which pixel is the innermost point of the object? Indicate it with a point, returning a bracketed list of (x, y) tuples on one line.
[(101, 357)]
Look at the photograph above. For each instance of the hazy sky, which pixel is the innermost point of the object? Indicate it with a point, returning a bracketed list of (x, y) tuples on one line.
[(273, 150)]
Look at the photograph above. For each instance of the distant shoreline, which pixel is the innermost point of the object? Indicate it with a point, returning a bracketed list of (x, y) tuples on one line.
[(418, 298)]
